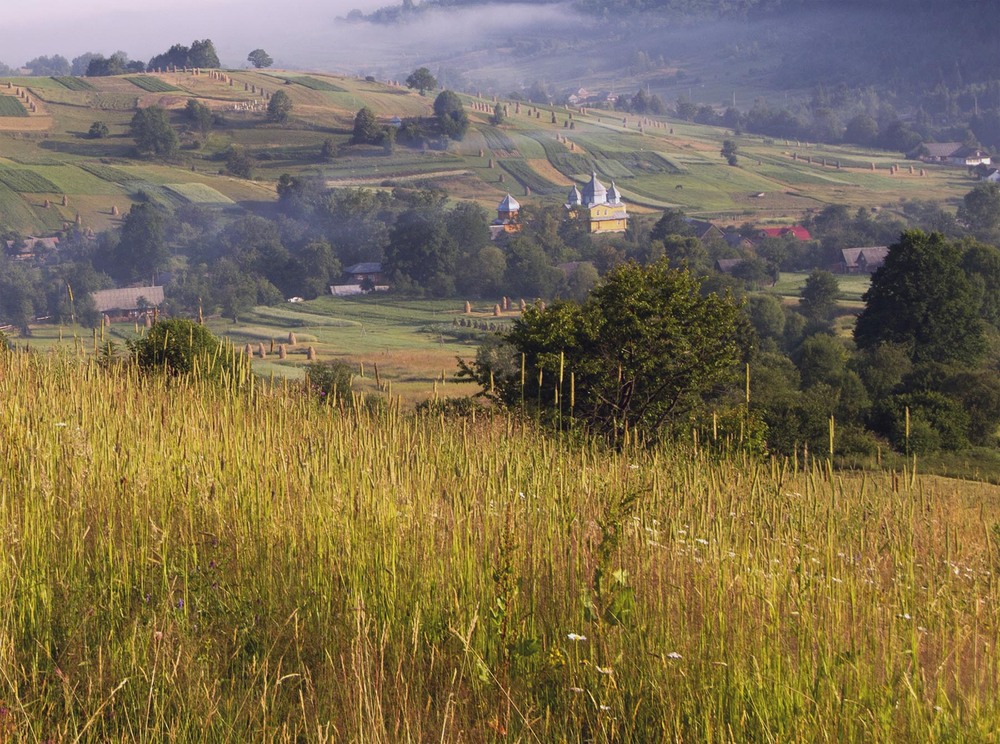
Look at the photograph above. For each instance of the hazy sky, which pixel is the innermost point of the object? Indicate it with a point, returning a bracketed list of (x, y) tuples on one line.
[(303, 33), (146, 27)]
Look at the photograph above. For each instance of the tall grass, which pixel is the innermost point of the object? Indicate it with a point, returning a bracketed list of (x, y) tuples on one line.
[(180, 563)]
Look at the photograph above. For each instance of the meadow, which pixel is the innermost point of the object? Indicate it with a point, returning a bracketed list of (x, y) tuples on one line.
[(193, 563), (656, 162)]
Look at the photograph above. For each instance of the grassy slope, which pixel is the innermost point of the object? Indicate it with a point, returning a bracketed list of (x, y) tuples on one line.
[(181, 563), (693, 176)]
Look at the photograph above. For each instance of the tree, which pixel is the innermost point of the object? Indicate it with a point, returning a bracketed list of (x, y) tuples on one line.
[(240, 162), (646, 350), (199, 114), (142, 249), (367, 130), (451, 115), (55, 65), (980, 211), (98, 130), (421, 80), (729, 151), (819, 296), (279, 107), (182, 347), (202, 54), (497, 118), (259, 58), (150, 127), (921, 297)]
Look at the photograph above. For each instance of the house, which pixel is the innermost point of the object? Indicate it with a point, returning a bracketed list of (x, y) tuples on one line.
[(359, 272), (862, 260), (508, 218), (30, 247), (992, 176), (128, 302), (737, 241), (704, 230), (953, 153), (795, 231), (727, 265), (601, 207)]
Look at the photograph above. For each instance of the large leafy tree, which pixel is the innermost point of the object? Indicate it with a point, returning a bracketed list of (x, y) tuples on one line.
[(142, 248), (259, 58), (422, 80), (279, 107), (150, 127), (451, 116), (921, 298), (645, 351), (367, 130)]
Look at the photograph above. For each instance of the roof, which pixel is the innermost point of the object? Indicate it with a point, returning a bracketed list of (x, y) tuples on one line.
[(871, 257), (371, 267), (701, 227), (509, 204), (614, 195), (726, 265), (34, 244), (796, 231), (126, 298), (594, 192), (574, 197), (941, 149)]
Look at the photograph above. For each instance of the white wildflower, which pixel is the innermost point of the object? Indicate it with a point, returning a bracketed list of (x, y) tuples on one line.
[(674, 655), (576, 637)]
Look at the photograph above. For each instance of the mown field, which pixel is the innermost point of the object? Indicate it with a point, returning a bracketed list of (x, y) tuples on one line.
[(187, 563), (655, 162)]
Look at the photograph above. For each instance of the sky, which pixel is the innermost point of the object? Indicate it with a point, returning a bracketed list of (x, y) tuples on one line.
[(301, 34)]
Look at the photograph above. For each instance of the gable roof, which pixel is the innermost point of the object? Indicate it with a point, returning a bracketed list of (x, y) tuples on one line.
[(796, 231), (941, 149), (371, 267), (126, 298), (869, 257), (703, 228)]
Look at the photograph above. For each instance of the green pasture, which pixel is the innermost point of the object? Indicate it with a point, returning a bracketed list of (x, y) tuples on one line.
[(10, 106), (852, 286), (676, 164)]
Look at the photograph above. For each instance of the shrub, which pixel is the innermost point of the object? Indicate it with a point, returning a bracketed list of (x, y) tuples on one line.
[(179, 347), (330, 382)]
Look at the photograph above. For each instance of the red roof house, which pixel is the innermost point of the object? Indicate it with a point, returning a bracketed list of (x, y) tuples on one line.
[(796, 231)]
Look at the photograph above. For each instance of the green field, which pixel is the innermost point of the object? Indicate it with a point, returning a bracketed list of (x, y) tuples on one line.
[(198, 193), (27, 181), (10, 106), (74, 83), (676, 164), (152, 84)]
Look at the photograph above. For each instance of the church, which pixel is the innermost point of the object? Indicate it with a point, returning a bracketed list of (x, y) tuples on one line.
[(508, 218), (601, 207)]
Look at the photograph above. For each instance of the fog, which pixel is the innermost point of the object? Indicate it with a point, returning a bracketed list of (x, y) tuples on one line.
[(306, 34)]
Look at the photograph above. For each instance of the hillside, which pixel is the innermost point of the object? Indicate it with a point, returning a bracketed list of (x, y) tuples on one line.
[(47, 159), (277, 571)]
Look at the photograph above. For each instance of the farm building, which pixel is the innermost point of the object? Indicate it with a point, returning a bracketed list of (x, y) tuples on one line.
[(129, 302), (704, 230), (508, 217), (862, 260), (360, 272), (29, 248), (602, 207), (953, 153), (795, 231)]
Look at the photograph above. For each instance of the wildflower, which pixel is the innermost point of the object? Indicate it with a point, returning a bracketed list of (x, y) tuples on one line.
[(180, 604), (674, 655), (61, 424), (905, 616), (577, 690), (604, 670), (576, 637), (605, 708)]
